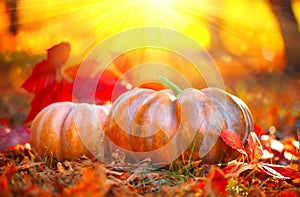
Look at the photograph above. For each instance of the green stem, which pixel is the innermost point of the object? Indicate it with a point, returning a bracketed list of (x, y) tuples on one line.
[(175, 89)]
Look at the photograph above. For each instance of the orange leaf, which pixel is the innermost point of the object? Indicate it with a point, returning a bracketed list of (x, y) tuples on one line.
[(4, 186), (92, 183)]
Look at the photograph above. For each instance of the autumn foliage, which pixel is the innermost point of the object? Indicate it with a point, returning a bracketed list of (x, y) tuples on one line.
[(50, 82)]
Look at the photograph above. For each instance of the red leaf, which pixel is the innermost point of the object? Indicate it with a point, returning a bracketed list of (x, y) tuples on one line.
[(255, 152), (215, 183), (89, 68), (255, 147), (232, 139), (4, 122), (59, 53), (259, 130), (10, 170), (104, 86), (49, 85), (278, 171), (289, 193), (40, 101), (238, 168), (44, 74), (110, 86), (4, 186), (44, 80), (63, 91)]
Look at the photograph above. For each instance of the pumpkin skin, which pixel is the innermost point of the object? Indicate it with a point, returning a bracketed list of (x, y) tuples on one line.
[(146, 123), (67, 130)]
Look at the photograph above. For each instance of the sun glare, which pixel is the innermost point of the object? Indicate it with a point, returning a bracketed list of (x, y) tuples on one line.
[(86, 23), (157, 3)]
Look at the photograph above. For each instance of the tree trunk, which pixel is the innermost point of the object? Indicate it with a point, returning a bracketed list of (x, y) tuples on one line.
[(11, 6), (289, 30)]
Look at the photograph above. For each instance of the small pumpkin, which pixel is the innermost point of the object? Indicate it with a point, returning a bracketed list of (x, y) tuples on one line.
[(67, 130), (163, 126)]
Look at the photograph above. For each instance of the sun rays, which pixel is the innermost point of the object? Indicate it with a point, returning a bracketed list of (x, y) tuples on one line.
[(89, 22), (241, 28)]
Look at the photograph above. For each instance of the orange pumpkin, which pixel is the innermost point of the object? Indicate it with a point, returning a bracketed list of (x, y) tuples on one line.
[(67, 130), (157, 124)]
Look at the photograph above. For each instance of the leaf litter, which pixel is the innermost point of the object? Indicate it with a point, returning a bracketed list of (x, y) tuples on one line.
[(22, 174)]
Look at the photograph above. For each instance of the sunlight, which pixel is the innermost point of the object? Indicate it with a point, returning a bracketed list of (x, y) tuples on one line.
[(296, 9), (236, 26), (240, 30), (86, 23)]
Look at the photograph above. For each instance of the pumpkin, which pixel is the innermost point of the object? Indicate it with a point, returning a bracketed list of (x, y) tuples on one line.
[(67, 130), (163, 126)]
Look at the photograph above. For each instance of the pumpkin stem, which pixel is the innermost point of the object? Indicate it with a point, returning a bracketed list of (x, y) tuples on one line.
[(166, 82)]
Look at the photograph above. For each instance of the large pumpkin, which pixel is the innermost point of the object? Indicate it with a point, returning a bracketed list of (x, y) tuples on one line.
[(67, 130), (157, 124)]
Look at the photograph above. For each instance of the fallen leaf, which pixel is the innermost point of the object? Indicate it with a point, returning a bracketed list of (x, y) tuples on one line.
[(92, 183), (237, 168), (258, 130), (255, 147), (255, 191), (255, 152), (4, 186), (290, 193), (10, 170), (189, 188), (4, 122), (279, 171), (61, 169), (215, 184)]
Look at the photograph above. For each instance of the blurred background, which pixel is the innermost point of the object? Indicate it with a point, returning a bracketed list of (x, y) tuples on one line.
[(254, 43)]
